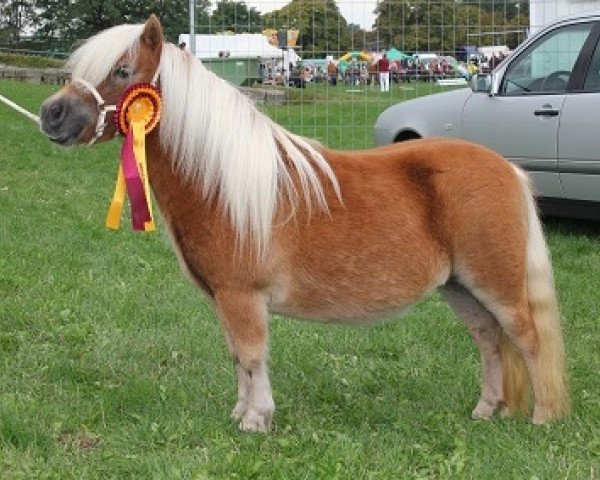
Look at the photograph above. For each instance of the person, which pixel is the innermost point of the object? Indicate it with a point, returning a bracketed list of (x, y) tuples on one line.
[(372, 70), (383, 66), (473, 66), (364, 74), (332, 73), (494, 61)]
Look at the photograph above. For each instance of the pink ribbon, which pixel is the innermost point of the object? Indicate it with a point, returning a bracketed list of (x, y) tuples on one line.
[(140, 213)]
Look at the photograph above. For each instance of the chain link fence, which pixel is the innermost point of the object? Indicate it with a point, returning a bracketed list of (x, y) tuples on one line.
[(342, 62)]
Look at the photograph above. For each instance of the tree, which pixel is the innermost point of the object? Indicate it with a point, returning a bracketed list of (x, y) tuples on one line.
[(63, 24), (362, 39), (505, 10), (323, 29), (174, 18), (443, 26), (236, 17), (15, 15)]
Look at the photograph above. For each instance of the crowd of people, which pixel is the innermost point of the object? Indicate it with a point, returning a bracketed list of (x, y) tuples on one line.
[(381, 72), (384, 72)]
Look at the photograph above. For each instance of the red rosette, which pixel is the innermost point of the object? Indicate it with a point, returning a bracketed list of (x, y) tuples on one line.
[(141, 101)]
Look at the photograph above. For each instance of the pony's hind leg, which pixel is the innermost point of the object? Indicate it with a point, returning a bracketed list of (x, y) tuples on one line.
[(244, 319), (540, 347), (486, 332)]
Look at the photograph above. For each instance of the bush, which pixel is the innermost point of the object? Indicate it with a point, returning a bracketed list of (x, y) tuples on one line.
[(31, 61)]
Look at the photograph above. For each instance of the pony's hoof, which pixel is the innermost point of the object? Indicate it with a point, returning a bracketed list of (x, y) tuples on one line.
[(253, 421), (541, 416), (484, 410), (239, 410), (475, 415)]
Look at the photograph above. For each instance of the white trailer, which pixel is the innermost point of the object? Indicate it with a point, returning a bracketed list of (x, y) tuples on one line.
[(542, 12)]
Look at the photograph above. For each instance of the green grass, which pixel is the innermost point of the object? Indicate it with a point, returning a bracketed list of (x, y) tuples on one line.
[(112, 366), (343, 116)]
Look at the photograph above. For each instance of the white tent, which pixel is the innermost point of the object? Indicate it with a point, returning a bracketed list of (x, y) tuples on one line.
[(242, 45), (489, 52)]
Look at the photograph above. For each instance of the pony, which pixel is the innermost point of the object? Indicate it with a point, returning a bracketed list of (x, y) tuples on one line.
[(264, 221)]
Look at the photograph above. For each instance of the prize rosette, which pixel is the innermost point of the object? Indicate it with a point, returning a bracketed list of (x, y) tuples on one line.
[(140, 103), (137, 114)]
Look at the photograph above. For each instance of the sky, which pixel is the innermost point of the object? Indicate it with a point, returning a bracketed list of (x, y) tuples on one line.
[(354, 11)]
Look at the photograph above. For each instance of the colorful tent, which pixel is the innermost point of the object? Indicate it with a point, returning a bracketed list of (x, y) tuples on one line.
[(356, 55), (343, 66), (395, 54)]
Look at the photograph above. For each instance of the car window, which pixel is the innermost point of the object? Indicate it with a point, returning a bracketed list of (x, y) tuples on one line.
[(546, 66), (592, 79)]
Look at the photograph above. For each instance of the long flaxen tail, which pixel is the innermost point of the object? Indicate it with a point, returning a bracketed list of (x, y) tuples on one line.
[(552, 395)]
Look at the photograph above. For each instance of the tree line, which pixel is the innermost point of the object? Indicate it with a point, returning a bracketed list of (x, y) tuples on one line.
[(409, 25), (445, 25)]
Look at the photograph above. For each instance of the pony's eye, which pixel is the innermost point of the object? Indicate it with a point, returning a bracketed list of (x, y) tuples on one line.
[(122, 72)]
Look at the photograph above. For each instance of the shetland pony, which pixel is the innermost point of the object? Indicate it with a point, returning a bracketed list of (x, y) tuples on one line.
[(266, 221)]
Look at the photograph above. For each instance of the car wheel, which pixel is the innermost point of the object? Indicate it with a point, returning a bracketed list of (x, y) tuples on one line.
[(406, 135)]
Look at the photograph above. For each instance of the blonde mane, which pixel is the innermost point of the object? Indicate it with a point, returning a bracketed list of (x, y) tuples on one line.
[(217, 138), (94, 60)]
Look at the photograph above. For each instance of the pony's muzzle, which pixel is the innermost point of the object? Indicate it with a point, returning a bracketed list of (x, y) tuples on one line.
[(62, 120), (53, 115)]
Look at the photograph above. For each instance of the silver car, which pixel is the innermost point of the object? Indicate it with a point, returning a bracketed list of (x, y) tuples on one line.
[(540, 108)]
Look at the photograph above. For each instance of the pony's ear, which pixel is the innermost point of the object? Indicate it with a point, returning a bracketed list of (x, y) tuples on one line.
[(153, 34)]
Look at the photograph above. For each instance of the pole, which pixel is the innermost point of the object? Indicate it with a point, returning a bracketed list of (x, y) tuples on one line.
[(193, 27)]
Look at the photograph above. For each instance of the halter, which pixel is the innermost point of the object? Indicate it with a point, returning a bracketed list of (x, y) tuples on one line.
[(103, 109)]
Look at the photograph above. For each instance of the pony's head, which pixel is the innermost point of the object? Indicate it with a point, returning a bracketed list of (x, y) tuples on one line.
[(102, 68), (212, 133)]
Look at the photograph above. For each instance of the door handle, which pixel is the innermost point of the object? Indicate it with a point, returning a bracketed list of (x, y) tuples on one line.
[(546, 112)]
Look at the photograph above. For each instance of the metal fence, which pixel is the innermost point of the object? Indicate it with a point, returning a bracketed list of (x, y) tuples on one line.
[(327, 54)]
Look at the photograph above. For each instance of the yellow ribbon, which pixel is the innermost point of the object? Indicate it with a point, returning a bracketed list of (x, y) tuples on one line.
[(113, 219), (139, 149)]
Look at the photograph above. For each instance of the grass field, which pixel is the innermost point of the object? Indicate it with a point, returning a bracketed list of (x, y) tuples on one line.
[(343, 116), (112, 366)]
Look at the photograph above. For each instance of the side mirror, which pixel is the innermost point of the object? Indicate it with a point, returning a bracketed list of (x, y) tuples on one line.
[(481, 83)]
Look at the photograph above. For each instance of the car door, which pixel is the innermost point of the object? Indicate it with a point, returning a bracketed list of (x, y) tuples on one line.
[(522, 120), (579, 133)]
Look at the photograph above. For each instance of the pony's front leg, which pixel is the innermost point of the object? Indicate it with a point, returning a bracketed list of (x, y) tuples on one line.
[(244, 319), (243, 380)]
